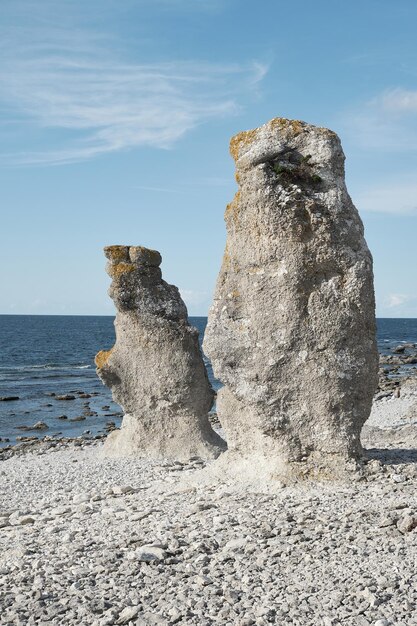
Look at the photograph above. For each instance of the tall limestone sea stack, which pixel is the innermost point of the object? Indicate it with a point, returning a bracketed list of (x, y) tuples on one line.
[(291, 333), (155, 370)]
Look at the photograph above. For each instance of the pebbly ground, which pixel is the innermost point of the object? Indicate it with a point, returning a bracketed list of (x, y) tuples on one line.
[(394, 409), (92, 541)]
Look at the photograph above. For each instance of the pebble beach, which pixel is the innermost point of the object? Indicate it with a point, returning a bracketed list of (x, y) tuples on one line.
[(95, 541)]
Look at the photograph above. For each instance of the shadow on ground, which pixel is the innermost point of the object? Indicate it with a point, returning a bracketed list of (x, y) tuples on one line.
[(392, 456)]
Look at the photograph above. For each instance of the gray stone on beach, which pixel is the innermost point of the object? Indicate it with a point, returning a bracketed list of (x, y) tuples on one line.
[(155, 369), (407, 523), (291, 333), (128, 613), (150, 553), (37, 426)]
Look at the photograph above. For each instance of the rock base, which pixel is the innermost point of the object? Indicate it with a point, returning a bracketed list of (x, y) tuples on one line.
[(139, 438)]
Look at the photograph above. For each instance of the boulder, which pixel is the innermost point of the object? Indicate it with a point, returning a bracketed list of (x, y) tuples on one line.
[(291, 333), (155, 369)]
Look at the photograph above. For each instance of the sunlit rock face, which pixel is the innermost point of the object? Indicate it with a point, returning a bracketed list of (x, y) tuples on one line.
[(155, 369), (291, 333)]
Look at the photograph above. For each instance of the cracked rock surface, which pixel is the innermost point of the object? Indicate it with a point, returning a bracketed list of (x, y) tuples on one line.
[(291, 333), (155, 369)]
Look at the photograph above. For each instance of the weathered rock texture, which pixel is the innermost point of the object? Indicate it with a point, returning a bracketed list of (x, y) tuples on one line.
[(291, 333), (155, 370)]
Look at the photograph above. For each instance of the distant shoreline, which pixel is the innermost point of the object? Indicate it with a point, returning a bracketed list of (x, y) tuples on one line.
[(105, 315)]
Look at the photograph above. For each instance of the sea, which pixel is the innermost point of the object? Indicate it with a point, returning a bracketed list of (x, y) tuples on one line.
[(42, 357)]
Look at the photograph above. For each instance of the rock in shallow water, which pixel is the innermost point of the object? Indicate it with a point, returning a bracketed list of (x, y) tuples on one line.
[(291, 333), (155, 370)]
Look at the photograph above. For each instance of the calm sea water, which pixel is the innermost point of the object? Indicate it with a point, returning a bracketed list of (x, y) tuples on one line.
[(40, 355)]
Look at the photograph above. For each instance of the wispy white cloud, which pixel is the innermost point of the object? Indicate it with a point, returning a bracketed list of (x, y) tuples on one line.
[(399, 101), (395, 300), (398, 197), (83, 101), (195, 299), (397, 305), (113, 105), (387, 122)]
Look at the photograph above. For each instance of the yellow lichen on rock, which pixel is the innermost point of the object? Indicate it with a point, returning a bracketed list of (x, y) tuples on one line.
[(282, 124), (117, 253), (121, 268), (232, 209), (141, 255), (247, 137), (293, 126), (244, 138), (226, 259), (102, 357), (296, 127)]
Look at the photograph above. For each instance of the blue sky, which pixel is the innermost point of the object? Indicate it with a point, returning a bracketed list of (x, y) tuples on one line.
[(116, 117)]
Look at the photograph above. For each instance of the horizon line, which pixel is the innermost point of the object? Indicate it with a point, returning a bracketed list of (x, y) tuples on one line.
[(114, 315)]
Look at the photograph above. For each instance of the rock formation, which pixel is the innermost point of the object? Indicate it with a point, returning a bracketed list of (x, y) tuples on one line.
[(291, 333), (155, 369)]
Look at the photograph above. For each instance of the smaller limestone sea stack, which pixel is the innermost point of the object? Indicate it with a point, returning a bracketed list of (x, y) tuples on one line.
[(291, 333), (155, 369)]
